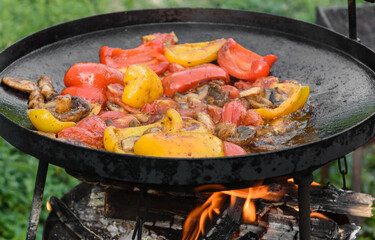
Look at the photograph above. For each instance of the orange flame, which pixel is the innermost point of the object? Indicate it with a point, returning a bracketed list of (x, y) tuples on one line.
[(291, 180), (48, 206), (195, 223), (319, 215)]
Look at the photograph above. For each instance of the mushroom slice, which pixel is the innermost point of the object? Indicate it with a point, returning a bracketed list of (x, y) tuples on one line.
[(63, 103), (134, 123), (36, 99), (20, 84), (142, 117), (80, 109), (243, 136), (259, 102), (251, 92), (178, 97), (128, 143), (114, 107), (215, 90), (225, 130), (206, 120), (46, 88), (194, 103)]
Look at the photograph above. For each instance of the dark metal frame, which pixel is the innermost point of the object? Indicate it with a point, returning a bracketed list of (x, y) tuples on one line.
[(303, 180)]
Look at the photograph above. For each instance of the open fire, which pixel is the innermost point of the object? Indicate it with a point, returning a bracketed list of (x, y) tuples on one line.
[(195, 223), (262, 211)]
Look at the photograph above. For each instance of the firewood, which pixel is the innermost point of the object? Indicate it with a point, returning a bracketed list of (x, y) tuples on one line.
[(286, 227), (331, 199)]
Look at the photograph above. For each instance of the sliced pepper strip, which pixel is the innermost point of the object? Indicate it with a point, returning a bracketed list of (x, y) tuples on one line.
[(193, 54), (297, 99), (181, 144), (150, 54), (44, 121), (190, 78), (243, 63)]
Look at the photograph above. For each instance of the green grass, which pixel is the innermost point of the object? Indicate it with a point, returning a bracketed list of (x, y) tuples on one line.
[(19, 18)]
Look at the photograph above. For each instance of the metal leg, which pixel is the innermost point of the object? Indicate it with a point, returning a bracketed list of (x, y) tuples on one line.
[(36, 205), (303, 182), (352, 19)]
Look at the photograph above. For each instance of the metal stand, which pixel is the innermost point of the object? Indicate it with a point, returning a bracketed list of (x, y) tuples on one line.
[(352, 13), (303, 182), (140, 220), (36, 205)]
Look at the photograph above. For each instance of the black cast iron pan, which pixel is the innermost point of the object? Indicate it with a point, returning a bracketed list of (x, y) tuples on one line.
[(339, 71)]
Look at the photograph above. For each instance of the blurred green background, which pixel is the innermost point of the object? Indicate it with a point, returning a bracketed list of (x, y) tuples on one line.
[(18, 18)]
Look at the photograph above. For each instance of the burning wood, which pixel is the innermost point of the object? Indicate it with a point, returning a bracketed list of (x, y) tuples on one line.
[(267, 212)]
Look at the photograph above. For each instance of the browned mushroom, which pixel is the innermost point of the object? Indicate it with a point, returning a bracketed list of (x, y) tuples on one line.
[(114, 107), (36, 99), (142, 117), (206, 120), (20, 84), (243, 136), (46, 88), (200, 94), (38, 95), (128, 143), (63, 103), (79, 109), (216, 95), (225, 130)]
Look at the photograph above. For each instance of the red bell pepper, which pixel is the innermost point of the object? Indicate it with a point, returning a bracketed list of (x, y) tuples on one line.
[(89, 131), (233, 112), (150, 54), (263, 82), (89, 80), (252, 118), (243, 63), (117, 119), (189, 78), (93, 74), (231, 149), (215, 113), (90, 94), (233, 91)]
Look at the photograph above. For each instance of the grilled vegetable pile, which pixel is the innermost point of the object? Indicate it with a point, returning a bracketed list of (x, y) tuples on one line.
[(205, 99)]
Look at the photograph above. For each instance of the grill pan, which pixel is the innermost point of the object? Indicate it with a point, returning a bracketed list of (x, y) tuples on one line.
[(339, 71)]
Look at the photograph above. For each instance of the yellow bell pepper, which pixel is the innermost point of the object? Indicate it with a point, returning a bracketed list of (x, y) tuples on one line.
[(44, 121), (142, 86), (298, 96), (192, 125), (172, 123), (193, 54), (181, 144)]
